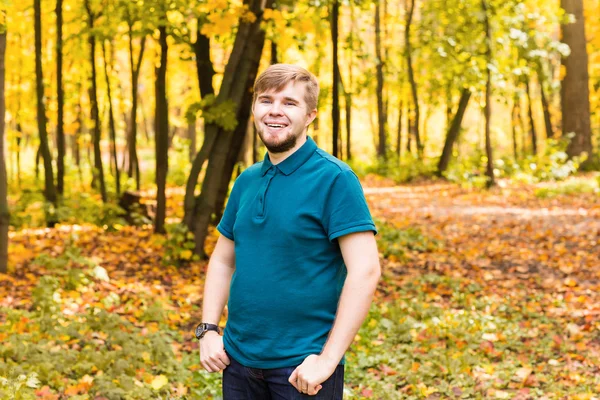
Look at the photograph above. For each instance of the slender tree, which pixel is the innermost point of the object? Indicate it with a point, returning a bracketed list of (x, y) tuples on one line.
[(348, 91), (575, 92), (93, 93), (515, 115), (489, 170), (335, 109), (161, 129), (134, 66), (532, 133), (411, 75), (399, 129), (44, 149), (4, 211), (545, 103), (453, 131), (381, 118), (60, 99), (111, 120)]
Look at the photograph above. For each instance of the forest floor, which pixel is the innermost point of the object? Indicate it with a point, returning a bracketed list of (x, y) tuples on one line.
[(485, 295)]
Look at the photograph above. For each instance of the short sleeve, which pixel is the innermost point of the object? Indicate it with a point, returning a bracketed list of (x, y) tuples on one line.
[(225, 227), (346, 209)]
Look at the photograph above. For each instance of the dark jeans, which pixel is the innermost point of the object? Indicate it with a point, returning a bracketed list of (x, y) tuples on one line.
[(243, 383)]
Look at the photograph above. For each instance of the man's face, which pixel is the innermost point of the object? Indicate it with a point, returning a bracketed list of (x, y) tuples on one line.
[(282, 117)]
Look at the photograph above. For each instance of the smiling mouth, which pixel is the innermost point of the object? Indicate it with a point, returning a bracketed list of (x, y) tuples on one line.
[(276, 125)]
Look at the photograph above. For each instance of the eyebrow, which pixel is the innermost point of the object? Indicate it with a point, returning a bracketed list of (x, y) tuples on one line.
[(269, 97)]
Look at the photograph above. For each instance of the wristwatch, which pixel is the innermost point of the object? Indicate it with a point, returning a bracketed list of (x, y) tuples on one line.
[(204, 327)]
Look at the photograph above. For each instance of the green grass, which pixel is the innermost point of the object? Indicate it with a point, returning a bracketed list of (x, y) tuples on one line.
[(582, 185), (440, 337), (443, 337)]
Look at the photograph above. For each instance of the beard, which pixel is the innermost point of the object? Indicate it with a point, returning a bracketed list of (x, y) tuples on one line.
[(286, 144)]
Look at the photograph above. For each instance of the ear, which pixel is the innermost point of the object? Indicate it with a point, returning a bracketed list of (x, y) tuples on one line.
[(311, 117)]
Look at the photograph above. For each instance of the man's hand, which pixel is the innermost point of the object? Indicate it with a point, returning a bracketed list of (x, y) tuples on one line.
[(212, 353), (314, 370)]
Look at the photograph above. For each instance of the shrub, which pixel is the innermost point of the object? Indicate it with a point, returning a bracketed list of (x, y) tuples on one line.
[(572, 187), (395, 242), (54, 353), (409, 169), (178, 245)]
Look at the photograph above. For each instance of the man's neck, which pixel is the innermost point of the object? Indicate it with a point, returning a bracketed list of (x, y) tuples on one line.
[(276, 158)]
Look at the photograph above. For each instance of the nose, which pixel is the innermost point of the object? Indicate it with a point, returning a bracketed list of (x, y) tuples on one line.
[(275, 108)]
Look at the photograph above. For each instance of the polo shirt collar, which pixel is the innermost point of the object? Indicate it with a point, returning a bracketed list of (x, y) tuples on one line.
[(294, 161)]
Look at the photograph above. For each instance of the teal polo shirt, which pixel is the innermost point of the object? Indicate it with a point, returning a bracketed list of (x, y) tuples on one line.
[(284, 220)]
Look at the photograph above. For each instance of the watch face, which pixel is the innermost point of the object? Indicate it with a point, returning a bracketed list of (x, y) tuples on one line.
[(201, 328)]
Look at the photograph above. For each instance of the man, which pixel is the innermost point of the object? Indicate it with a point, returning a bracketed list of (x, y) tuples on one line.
[(296, 258)]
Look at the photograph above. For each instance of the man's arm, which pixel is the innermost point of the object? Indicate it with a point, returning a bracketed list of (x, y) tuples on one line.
[(362, 262), (216, 293)]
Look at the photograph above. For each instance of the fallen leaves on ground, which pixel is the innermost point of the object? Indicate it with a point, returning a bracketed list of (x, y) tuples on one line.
[(484, 295)]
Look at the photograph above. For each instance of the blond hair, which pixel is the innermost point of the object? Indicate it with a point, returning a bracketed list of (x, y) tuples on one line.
[(277, 76)]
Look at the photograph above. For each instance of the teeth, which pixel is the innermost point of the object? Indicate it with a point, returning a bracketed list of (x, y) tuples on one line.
[(275, 125)]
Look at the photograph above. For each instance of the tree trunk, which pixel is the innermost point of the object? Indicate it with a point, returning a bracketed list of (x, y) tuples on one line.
[(532, 133), (449, 105), (233, 157), (60, 129), (75, 149), (381, 119), (399, 135), (49, 188), (410, 128), (575, 92), (335, 109), (161, 133), (18, 151), (411, 75), (191, 134), (18, 112), (274, 55), (4, 211), (204, 65), (205, 72), (111, 122), (348, 113), (547, 117), (514, 123), (545, 105), (453, 131), (38, 156), (238, 80), (134, 164), (489, 171), (348, 91), (95, 113)]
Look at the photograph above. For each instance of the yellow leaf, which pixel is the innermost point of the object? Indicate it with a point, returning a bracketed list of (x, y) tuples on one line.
[(158, 382), (492, 337), (426, 391), (522, 374), (570, 282), (186, 254)]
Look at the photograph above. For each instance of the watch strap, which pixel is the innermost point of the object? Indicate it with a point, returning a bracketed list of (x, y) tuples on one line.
[(204, 327)]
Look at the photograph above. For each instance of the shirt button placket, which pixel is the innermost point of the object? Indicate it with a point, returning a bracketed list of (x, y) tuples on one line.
[(263, 192)]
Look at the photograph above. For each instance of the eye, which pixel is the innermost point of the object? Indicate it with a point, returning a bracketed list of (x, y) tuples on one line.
[(289, 103), (265, 101)]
